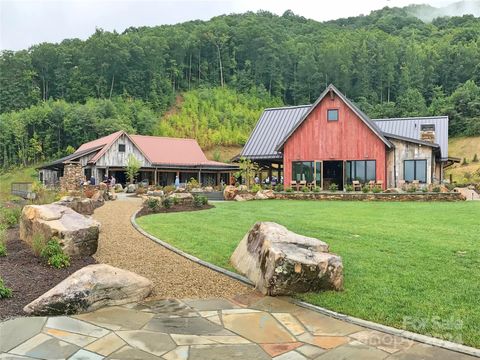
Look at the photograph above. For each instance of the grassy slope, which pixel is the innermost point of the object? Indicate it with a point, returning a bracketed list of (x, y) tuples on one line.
[(416, 260), (463, 147), (27, 174)]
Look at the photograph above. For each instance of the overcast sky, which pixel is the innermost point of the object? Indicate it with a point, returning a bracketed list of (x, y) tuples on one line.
[(27, 22)]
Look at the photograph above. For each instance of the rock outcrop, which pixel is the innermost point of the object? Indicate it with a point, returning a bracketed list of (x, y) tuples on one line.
[(90, 288), (230, 192), (182, 198), (82, 206), (77, 234), (244, 197), (264, 195), (281, 262)]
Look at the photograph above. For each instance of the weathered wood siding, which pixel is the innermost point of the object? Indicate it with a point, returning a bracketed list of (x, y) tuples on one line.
[(349, 138), (115, 158), (408, 151)]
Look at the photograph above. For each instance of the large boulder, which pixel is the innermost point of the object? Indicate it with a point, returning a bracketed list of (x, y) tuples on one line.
[(281, 262), (82, 206), (118, 188), (90, 288), (264, 195), (244, 197), (77, 234), (182, 198), (155, 193), (131, 188), (230, 192)]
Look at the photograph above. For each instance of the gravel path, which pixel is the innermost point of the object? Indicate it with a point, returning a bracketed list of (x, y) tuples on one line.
[(173, 276)]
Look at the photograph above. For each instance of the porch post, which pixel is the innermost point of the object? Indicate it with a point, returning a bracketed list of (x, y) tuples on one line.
[(199, 179), (155, 177), (218, 179)]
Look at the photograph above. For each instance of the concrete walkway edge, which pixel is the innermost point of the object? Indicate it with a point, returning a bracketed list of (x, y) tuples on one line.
[(357, 321)]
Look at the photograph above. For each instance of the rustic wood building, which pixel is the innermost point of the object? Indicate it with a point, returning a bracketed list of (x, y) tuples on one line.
[(161, 159), (334, 142)]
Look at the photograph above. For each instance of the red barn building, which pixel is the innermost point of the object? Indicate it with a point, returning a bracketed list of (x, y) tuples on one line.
[(333, 142)]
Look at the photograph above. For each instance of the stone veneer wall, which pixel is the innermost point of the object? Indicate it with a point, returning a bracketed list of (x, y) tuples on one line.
[(72, 177), (452, 196)]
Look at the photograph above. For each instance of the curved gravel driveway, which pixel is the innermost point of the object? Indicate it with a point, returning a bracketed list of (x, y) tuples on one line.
[(173, 276)]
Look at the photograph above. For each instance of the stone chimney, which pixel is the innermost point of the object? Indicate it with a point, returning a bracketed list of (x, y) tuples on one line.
[(427, 133), (72, 177)]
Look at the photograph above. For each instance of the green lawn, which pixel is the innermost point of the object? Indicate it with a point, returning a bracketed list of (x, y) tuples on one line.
[(415, 260), (27, 174)]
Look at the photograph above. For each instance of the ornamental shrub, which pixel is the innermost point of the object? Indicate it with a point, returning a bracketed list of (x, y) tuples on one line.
[(316, 189), (167, 203), (279, 187), (289, 190), (349, 188), (10, 216), (365, 189), (256, 188), (53, 254), (5, 292), (436, 189), (305, 189), (377, 190), (154, 204), (200, 200), (333, 187), (168, 189)]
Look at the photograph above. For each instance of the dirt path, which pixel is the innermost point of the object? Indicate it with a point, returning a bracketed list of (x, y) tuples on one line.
[(173, 276)]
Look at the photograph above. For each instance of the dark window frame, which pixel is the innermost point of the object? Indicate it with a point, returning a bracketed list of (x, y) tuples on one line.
[(333, 109), (415, 177), (351, 168), (423, 126), (121, 148), (315, 168)]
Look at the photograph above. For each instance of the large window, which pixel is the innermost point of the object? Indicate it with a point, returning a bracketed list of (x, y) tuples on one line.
[(332, 114), (361, 170), (415, 170), (302, 171)]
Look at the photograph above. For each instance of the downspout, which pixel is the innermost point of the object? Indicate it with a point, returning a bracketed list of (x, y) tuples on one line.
[(395, 166)]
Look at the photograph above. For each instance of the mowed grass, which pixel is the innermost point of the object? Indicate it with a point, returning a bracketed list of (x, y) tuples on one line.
[(408, 265)]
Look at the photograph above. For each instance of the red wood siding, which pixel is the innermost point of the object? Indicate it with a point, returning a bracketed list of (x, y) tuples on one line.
[(349, 138)]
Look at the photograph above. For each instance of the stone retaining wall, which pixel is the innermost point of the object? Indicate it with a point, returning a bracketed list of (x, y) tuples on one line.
[(452, 196)]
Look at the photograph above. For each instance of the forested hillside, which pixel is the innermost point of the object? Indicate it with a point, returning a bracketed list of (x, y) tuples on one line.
[(390, 62)]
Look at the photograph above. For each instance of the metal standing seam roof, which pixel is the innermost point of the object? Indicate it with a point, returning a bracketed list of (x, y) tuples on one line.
[(274, 124), (410, 128), (352, 107)]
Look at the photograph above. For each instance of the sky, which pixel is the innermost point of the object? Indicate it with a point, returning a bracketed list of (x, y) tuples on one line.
[(27, 22)]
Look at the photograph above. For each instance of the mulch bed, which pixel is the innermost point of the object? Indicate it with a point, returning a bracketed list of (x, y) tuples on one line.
[(175, 208), (28, 276)]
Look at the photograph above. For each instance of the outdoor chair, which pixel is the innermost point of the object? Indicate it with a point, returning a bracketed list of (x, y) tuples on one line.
[(371, 184), (293, 183), (356, 185), (301, 185), (379, 184), (311, 185)]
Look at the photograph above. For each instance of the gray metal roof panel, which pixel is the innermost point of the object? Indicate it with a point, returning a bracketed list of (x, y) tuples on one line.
[(273, 125), (410, 128)]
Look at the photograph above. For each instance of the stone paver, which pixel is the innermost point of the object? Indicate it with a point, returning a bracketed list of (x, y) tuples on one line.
[(209, 329)]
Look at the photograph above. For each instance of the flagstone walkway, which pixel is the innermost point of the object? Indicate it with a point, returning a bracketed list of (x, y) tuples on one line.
[(247, 327)]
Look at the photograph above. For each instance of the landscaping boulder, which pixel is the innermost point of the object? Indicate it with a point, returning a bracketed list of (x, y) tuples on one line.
[(244, 197), (281, 262), (77, 234), (230, 192), (89, 289), (208, 189), (111, 196), (184, 198), (155, 193), (118, 188), (131, 188), (264, 195), (82, 206)]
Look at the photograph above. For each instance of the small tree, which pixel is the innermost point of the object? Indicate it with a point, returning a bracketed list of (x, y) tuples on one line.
[(475, 158), (248, 169), (133, 166)]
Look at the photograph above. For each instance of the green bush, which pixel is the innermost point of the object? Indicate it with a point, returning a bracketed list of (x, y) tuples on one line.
[(154, 204), (377, 190), (5, 292), (168, 189), (279, 187), (175, 200), (349, 188), (436, 189), (3, 240), (333, 187), (192, 184), (305, 189), (3, 249), (365, 189), (53, 254), (289, 190), (425, 189), (256, 188), (200, 200), (10, 216), (316, 189), (412, 189), (167, 203)]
